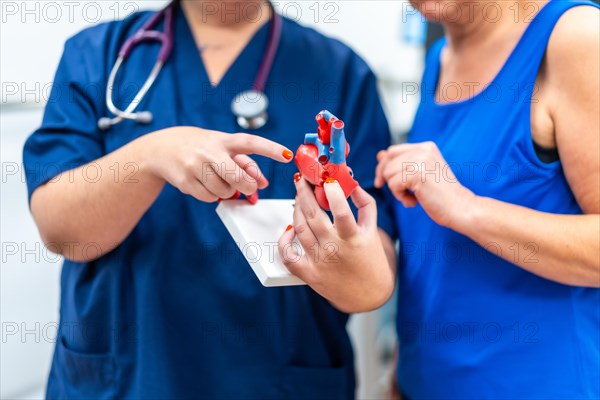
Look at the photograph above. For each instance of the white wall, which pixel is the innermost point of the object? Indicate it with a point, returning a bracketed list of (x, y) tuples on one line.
[(33, 33), (29, 277), (31, 39)]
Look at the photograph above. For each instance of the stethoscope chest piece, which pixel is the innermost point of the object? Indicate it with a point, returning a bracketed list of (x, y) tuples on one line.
[(250, 109)]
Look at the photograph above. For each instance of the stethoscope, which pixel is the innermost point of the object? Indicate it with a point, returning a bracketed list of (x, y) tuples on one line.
[(249, 107)]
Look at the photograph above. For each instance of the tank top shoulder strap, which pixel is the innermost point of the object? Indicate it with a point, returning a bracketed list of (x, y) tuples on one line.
[(524, 62)]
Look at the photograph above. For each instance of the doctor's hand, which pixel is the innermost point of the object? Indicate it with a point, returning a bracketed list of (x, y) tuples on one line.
[(418, 173), (344, 261), (210, 165)]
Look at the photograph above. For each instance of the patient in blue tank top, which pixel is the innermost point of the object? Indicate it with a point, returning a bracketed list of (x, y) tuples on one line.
[(497, 206)]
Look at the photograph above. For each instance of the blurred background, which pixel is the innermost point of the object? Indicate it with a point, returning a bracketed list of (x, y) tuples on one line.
[(392, 39)]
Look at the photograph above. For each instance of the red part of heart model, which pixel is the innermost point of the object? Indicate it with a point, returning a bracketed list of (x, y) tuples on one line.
[(323, 156)]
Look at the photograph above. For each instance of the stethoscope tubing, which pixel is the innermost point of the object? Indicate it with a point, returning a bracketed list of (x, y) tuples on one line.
[(166, 38), (128, 113), (269, 57)]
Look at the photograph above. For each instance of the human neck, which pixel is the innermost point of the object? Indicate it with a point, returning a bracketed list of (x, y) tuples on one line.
[(239, 15), (223, 28), (486, 24)]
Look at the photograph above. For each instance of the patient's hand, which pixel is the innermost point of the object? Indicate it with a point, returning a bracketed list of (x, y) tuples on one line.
[(344, 261)]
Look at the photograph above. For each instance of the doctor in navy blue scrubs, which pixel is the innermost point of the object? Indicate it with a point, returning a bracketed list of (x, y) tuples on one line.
[(497, 200), (156, 299)]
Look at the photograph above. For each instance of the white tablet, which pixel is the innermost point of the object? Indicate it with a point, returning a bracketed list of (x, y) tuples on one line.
[(256, 230)]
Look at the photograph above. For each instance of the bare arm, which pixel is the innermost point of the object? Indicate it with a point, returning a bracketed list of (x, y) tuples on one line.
[(566, 247), (76, 216), (83, 219), (562, 248)]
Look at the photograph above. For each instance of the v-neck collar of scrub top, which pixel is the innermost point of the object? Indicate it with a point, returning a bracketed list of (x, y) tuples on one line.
[(201, 103)]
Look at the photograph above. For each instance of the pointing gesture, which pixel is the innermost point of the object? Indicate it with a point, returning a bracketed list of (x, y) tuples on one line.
[(211, 165)]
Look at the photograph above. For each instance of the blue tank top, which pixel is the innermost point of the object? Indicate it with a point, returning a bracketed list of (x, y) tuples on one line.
[(470, 324)]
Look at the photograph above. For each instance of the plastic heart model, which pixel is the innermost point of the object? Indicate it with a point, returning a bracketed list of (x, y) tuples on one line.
[(323, 156)]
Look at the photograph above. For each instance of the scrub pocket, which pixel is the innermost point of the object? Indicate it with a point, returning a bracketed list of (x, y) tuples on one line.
[(78, 375), (317, 383)]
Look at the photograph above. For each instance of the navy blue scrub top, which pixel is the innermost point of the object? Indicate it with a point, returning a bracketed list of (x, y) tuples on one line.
[(175, 311)]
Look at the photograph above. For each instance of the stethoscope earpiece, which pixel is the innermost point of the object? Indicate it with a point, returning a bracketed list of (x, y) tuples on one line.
[(144, 117), (105, 123)]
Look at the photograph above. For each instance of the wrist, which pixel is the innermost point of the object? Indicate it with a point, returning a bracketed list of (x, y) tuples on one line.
[(145, 152), (467, 215)]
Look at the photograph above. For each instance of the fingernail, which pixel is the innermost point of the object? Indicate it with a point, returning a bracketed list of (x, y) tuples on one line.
[(330, 180), (288, 228), (235, 196), (253, 198), (287, 154), (297, 176)]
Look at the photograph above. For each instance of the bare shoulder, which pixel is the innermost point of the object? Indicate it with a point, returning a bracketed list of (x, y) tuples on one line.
[(572, 63), (569, 75), (582, 22), (575, 42), (572, 79)]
